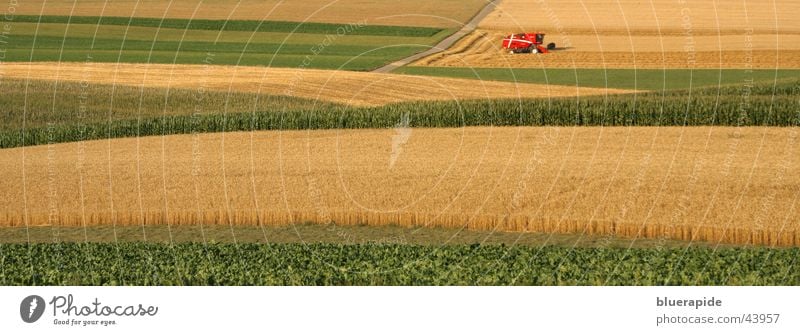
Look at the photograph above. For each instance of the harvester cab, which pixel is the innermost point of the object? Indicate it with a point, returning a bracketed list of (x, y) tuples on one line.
[(526, 43)]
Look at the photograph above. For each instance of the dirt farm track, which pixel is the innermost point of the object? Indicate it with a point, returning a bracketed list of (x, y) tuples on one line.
[(715, 184), (640, 34)]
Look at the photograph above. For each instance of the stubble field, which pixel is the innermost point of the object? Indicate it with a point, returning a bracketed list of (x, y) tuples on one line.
[(442, 13), (636, 34), (352, 88)]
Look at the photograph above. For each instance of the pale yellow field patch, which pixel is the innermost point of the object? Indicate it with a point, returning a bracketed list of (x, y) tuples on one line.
[(440, 13), (354, 88)]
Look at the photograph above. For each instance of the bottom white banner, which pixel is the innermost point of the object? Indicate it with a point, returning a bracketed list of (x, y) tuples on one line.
[(399, 310)]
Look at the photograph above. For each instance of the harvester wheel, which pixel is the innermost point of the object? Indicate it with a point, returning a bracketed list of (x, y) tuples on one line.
[(534, 50), (511, 51)]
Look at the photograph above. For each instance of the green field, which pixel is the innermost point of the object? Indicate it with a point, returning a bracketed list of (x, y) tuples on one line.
[(48, 103), (231, 25), (640, 79), (388, 264), (218, 42), (59, 115), (43, 112)]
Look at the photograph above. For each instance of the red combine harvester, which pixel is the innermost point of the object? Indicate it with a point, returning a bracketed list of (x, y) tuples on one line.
[(526, 43)]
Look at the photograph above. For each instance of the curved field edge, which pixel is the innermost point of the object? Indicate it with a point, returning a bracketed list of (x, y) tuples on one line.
[(371, 264), (773, 105), (351, 88)]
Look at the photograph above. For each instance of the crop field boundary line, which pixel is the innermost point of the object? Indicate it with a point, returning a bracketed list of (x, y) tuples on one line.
[(446, 43)]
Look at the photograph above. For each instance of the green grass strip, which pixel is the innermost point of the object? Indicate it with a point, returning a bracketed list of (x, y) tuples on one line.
[(238, 25), (35, 44)]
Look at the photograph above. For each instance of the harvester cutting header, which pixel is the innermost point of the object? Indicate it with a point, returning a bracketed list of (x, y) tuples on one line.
[(526, 43)]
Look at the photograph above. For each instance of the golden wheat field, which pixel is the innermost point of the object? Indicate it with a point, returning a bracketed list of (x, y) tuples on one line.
[(353, 88), (738, 185), (641, 34), (441, 13)]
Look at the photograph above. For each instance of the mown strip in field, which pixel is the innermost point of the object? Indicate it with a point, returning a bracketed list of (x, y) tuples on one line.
[(757, 105), (355, 28), (639, 79), (336, 264), (69, 31), (344, 62), (325, 233), (35, 44)]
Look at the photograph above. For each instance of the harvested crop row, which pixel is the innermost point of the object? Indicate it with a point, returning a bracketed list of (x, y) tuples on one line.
[(735, 185), (482, 49), (637, 34), (354, 88)]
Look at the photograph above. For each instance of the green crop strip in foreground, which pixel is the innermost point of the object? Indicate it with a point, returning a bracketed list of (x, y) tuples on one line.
[(354, 28), (759, 105), (377, 264)]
